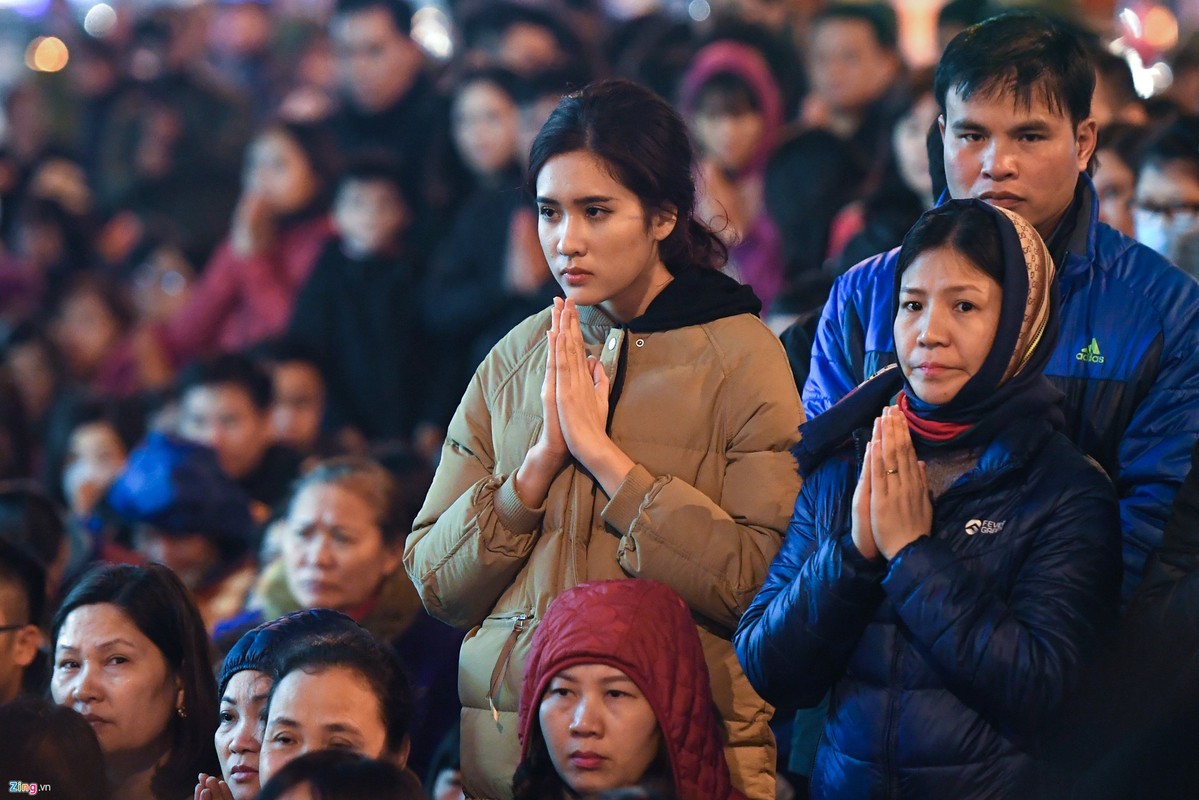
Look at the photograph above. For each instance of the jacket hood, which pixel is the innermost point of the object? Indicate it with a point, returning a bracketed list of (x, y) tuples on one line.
[(644, 629), (696, 296)]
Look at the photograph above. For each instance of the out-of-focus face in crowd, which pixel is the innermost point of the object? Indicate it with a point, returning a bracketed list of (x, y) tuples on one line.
[(848, 66), (486, 127), (278, 171), (225, 418), (370, 216), (299, 404), (376, 62), (333, 548)]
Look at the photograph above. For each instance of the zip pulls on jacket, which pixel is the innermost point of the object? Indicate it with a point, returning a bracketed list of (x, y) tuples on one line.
[(501, 665)]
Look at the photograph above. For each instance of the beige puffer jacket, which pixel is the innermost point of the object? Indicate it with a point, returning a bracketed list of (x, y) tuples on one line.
[(709, 413)]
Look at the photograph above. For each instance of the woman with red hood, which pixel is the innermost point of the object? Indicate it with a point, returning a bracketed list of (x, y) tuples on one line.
[(617, 694)]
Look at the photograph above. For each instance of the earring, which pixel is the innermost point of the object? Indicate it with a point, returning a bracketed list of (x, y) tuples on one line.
[(181, 712)]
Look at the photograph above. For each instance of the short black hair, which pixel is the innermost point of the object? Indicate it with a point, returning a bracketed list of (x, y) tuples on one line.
[(376, 166), (46, 743), (374, 661), (230, 369), (22, 571), (1126, 140), (1023, 53), (343, 775), (400, 11), (879, 16), (1116, 74), (31, 522), (1177, 143), (272, 352)]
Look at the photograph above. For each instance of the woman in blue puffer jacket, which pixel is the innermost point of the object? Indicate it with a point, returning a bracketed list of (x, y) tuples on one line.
[(953, 560)]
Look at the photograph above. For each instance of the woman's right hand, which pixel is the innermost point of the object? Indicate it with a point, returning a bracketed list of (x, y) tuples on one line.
[(863, 536), (549, 454), (209, 787)]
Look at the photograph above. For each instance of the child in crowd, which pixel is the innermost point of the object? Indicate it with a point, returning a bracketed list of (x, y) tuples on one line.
[(225, 403), (299, 392), (358, 314), (191, 517)]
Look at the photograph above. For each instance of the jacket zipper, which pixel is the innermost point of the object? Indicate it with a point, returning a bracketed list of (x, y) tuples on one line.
[(889, 772), (501, 664)]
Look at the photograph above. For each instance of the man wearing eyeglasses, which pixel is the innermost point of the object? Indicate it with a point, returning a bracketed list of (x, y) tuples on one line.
[(22, 596), (1166, 208)]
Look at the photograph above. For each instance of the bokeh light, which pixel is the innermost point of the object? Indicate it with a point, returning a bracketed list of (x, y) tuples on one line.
[(46, 54), (100, 20), (1161, 28)]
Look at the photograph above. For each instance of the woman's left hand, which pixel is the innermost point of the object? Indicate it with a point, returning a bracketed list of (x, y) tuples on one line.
[(900, 509), (582, 397)]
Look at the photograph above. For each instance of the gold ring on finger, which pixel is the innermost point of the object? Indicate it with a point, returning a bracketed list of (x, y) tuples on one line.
[(892, 471)]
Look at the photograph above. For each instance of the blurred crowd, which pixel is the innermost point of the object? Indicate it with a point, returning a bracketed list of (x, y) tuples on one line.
[(250, 259)]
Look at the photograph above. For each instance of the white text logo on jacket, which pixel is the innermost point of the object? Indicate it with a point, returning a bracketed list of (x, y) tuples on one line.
[(984, 526)]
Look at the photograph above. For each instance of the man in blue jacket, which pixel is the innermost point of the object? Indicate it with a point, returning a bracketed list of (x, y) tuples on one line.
[(1015, 97)]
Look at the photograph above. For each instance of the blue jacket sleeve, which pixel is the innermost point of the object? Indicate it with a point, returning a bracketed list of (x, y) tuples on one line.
[(855, 319), (1155, 448), (831, 375), (797, 636), (1015, 659)]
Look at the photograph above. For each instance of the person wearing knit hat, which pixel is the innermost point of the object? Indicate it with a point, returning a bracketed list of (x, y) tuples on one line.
[(189, 516), (953, 560), (616, 693), (243, 685)]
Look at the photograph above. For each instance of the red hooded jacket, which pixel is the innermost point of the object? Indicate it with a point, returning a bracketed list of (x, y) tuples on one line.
[(644, 629)]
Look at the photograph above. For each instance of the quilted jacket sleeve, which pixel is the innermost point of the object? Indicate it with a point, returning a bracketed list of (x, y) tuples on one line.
[(1015, 659), (796, 639), (1168, 598), (473, 533), (1154, 448), (715, 552)]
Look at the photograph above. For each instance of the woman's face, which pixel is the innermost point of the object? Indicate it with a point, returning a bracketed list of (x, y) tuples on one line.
[(486, 127), (597, 239), (110, 672), (948, 315), (333, 549), (910, 142), (331, 708), (600, 730), (238, 738), (86, 331), (728, 132), (278, 170)]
